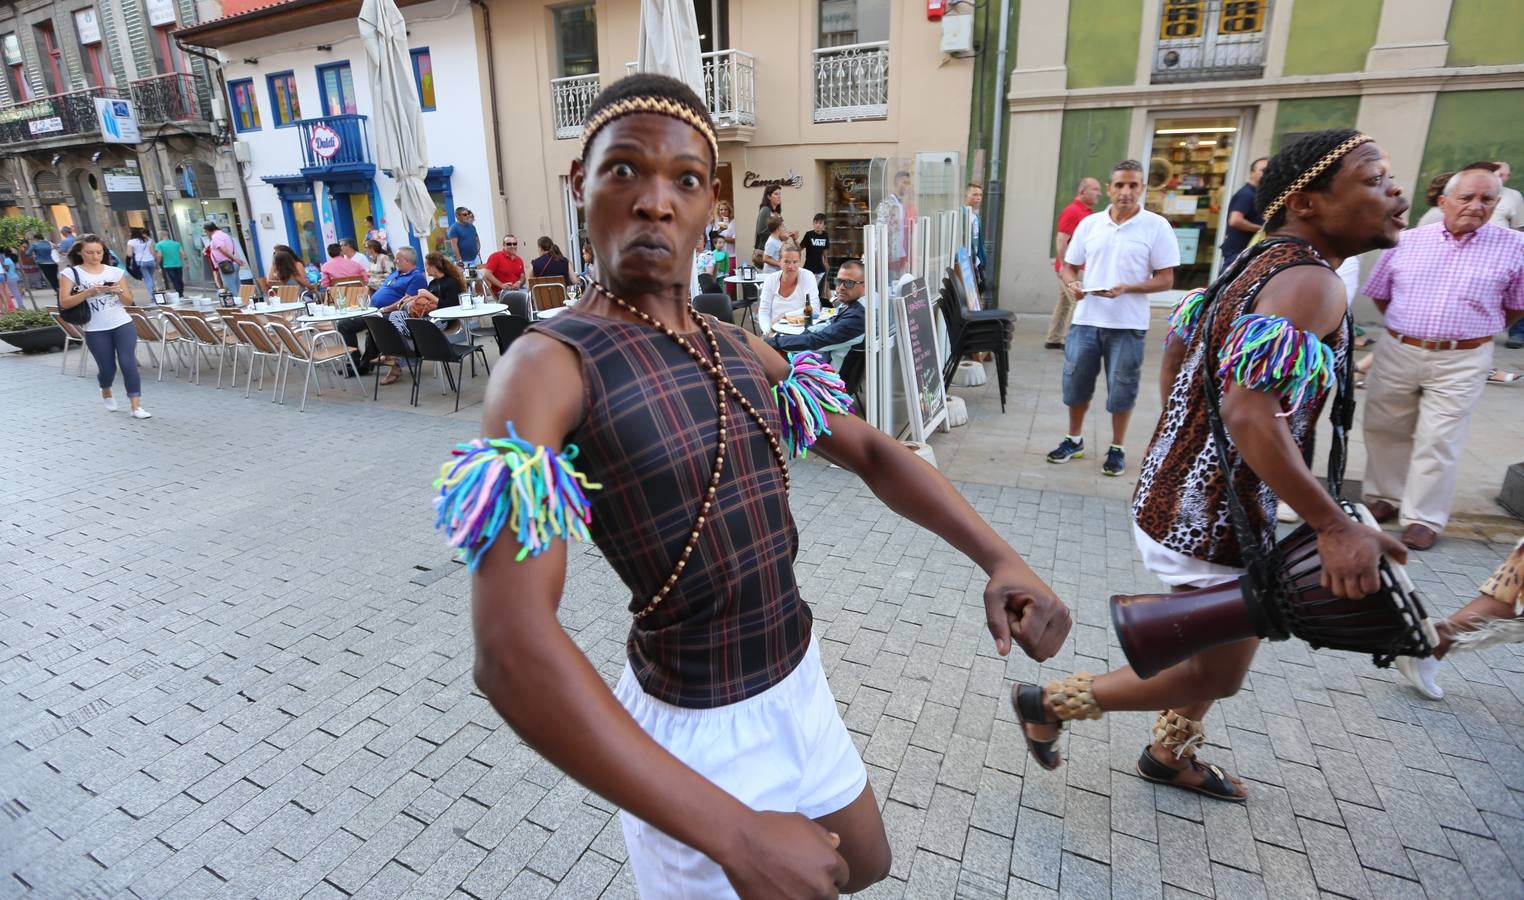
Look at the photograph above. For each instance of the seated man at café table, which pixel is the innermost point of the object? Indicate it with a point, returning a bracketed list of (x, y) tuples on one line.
[(504, 269), (339, 267), (843, 328), (405, 280)]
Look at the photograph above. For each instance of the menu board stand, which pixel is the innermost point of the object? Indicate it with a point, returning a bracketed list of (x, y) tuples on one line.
[(920, 357)]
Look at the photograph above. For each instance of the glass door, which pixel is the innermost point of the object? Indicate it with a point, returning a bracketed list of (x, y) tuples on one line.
[(1190, 161), (302, 230), (336, 84)]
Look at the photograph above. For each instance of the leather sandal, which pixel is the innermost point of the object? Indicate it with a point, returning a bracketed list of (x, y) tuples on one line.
[(1027, 700), (1215, 784)]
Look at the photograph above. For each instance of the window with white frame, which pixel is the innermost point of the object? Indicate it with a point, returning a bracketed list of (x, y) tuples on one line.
[(1206, 40)]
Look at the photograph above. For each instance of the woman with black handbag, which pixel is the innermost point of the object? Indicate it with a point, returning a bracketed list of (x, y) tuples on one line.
[(91, 295)]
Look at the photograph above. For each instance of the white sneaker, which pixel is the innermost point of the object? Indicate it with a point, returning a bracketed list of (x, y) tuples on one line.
[(1420, 672), (141, 413), (1284, 513), (110, 403)]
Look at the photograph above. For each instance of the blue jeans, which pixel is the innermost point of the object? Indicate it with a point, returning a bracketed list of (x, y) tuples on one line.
[(119, 345), (147, 268), (1121, 350), (1516, 333)]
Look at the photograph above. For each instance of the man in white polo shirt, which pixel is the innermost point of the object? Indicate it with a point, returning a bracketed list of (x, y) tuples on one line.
[(1127, 253)]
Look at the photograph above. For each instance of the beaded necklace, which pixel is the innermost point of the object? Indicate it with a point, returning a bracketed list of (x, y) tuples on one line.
[(724, 388)]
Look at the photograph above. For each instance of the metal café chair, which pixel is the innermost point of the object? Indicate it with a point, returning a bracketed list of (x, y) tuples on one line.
[(262, 346), (433, 346), (388, 342), (72, 335), (311, 356)]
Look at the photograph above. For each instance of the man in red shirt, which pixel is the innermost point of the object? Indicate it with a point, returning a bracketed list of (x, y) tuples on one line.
[(504, 269), (1081, 206)]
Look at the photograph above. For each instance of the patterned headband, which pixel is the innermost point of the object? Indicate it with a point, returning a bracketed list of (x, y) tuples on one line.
[(1318, 168), (661, 106)]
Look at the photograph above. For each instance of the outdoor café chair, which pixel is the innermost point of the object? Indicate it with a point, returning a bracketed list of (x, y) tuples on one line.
[(388, 342), (262, 346), (72, 335), (715, 304), (151, 333), (209, 339), (518, 304), (433, 346), (310, 356), (548, 293), (507, 328)]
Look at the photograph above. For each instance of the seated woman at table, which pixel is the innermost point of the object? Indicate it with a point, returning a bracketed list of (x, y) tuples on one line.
[(285, 270), (585, 277), (785, 291), (381, 264), (550, 263), (445, 285)]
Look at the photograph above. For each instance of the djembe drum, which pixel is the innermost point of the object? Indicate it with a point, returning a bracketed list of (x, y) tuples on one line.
[(1160, 630)]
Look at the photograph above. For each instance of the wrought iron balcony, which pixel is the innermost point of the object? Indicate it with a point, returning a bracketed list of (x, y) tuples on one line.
[(176, 97), (335, 143), (1210, 40), (852, 82), (730, 87), (60, 115), (569, 99)]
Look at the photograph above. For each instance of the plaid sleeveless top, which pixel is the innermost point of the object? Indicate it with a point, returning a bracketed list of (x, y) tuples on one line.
[(1181, 498), (734, 624)]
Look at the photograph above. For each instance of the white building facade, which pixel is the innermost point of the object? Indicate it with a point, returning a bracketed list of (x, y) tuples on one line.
[(300, 97)]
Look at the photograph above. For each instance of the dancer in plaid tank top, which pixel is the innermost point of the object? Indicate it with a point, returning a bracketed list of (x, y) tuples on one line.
[(663, 437)]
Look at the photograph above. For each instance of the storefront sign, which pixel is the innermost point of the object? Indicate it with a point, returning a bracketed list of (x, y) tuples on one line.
[(118, 121), (48, 125), (753, 180), (160, 12), (87, 25), (325, 141), (124, 189)]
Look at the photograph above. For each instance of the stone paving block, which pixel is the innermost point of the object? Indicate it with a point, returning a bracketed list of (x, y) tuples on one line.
[(1183, 843), (932, 876), (1084, 878), (1135, 868), (1037, 852), (1375, 839), (567, 844), (997, 801), (1335, 864), (902, 825), (917, 777), (1488, 865), (1087, 825), (1286, 873), (945, 825), (493, 874), (1442, 877)]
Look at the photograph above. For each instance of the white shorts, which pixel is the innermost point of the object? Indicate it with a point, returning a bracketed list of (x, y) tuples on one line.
[(1178, 570), (783, 750)]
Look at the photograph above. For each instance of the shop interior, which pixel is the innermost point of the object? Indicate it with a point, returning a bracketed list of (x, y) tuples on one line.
[(1190, 161)]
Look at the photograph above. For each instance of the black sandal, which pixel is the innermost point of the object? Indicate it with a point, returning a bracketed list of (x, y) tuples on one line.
[(1027, 701), (1217, 785)]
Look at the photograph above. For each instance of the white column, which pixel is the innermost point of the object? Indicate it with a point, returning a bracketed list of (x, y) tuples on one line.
[(1411, 35)]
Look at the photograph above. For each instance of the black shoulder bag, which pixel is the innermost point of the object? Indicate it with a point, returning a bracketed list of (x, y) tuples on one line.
[(79, 313)]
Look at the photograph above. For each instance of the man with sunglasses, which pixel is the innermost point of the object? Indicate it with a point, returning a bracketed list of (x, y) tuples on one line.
[(846, 326), (504, 270)]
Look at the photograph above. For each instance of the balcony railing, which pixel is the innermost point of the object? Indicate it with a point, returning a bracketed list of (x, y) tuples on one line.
[(730, 86), (176, 97), (1210, 40), (569, 99), (333, 141), (852, 82), (60, 115)]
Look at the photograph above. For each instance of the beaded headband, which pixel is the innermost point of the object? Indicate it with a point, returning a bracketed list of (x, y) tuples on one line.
[(1317, 169), (661, 106)]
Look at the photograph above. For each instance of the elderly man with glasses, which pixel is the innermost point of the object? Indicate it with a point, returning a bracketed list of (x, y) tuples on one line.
[(504, 269)]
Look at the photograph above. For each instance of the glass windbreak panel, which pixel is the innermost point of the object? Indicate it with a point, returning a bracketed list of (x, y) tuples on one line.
[(1188, 166), (577, 40), (853, 22), (846, 209)]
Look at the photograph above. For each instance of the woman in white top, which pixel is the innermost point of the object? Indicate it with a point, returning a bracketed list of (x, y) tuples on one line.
[(381, 264), (784, 292), (110, 334), (140, 248), (724, 230)]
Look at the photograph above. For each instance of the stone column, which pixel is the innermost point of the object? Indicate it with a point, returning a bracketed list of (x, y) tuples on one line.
[(1411, 36)]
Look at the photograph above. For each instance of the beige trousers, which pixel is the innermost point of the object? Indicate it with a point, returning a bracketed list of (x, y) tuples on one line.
[(1417, 412), (1058, 326)]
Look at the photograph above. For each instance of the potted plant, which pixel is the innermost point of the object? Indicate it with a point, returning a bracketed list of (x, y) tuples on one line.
[(31, 330)]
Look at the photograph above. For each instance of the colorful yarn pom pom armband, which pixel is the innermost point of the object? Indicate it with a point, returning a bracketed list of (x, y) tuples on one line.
[(1268, 353), (508, 484), (811, 390), (1186, 315)]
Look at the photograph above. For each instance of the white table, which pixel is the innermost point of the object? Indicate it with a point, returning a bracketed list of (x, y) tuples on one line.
[(550, 313), (339, 315), (274, 308), (736, 279), (451, 313)]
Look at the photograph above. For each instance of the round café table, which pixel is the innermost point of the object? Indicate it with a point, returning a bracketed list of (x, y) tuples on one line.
[(750, 297)]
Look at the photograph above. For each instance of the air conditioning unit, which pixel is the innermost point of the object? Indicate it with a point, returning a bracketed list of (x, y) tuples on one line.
[(958, 34), (242, 152)]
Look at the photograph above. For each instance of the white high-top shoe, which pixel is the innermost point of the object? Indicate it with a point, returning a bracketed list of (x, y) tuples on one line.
[(1420, 672)]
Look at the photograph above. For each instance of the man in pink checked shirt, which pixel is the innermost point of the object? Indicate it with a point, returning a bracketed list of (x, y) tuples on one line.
[(1446, 290)]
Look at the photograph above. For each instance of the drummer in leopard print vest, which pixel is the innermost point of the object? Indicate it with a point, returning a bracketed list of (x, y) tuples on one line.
[(1272, 327)]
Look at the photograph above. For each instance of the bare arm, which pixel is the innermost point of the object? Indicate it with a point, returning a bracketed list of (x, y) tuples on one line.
[(1312, 298), (1161, 280), (537, 678), (1069, 276), (1018, 605), (1060, 245), (1241, 222)]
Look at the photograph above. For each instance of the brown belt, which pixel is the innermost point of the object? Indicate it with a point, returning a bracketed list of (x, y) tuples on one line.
[(1471, 344)]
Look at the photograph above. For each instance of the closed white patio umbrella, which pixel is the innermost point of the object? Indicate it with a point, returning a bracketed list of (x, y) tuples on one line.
[(397, 126), (669, 42)]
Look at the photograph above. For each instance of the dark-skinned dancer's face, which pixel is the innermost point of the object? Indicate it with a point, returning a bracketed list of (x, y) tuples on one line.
[(646, 186)]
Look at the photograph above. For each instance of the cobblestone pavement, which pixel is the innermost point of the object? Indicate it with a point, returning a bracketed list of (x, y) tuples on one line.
[(235, 662)]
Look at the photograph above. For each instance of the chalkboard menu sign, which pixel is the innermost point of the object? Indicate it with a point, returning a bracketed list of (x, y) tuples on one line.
[(920, 358)]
